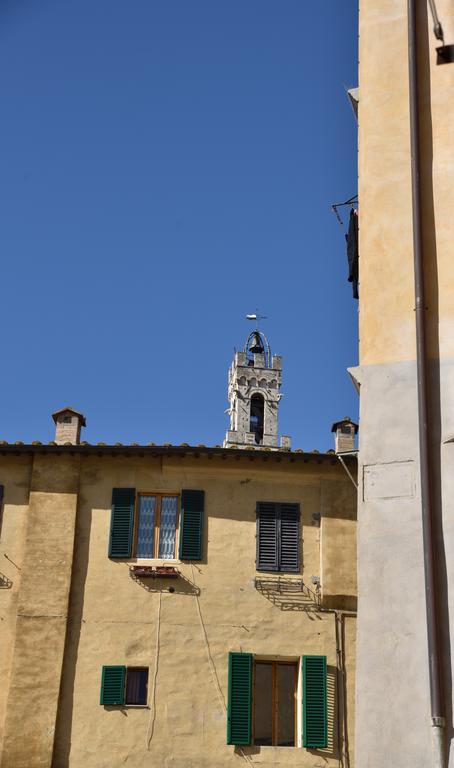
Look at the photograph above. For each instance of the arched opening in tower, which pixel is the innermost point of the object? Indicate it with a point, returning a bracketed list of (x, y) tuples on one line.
[(256, 421)]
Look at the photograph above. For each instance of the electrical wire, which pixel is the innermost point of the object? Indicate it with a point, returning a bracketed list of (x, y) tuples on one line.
[(151, 722), (214, 673), (211, 663)]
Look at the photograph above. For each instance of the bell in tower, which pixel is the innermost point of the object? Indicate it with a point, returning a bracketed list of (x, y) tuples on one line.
[(254, 393), (256, 344)]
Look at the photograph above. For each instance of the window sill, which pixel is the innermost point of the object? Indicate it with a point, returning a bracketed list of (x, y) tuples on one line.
[(153, 561), (280, 746), (279, 573), (126, 706), (136, 706)]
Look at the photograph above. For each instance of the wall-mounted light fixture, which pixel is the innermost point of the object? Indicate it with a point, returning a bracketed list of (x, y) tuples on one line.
[(445, 53)]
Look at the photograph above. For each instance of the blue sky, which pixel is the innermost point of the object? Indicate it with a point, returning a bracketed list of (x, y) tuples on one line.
[(165, 168)]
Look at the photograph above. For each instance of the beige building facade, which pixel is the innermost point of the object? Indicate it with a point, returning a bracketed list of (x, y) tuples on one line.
[(394, 719), (240, 572)]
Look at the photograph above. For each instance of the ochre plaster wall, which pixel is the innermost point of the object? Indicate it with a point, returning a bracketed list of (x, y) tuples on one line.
[(386, 319), (116, 620), (41, 613), (15, 476), (390, 541)]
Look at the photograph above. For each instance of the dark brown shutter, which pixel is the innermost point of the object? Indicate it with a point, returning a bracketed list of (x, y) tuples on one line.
[(267, 537), (290, 538), (278, 537)]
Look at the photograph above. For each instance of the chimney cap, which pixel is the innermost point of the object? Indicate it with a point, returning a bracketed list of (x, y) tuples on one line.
[(68, 409), (345, 420)]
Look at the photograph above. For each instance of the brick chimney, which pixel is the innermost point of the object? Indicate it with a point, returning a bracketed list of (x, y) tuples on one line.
[(344, 435), (68, 423)]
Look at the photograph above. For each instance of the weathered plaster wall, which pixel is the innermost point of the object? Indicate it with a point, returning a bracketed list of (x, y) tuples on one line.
[(392, 675), (113, 619), (41, 613), (338, 545)]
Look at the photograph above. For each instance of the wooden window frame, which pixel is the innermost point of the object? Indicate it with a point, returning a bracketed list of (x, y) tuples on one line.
[(157, 523), (126, 704), (274, 702)]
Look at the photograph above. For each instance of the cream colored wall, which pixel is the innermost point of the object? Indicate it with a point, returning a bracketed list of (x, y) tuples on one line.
[(386, 319), (114, 619)]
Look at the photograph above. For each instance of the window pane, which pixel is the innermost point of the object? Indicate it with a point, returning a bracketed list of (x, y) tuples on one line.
[(263, 694), (145, 528), (136, 686), (285, 705), (168, 527)]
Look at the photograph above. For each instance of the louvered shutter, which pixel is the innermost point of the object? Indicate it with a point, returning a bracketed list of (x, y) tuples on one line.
[(267, 537), (191, 525), (122, 522), (239, 711), (113, 686), (289, 538), (315, 728)]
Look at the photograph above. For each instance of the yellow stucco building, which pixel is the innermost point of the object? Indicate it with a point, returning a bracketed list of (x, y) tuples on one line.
[(176, 606)]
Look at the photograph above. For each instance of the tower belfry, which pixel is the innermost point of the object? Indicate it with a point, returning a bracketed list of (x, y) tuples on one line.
[(254, 393)]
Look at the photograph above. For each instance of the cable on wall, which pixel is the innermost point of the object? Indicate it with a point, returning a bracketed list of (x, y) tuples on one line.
[(211, 663), (214, 673), (151, 722)]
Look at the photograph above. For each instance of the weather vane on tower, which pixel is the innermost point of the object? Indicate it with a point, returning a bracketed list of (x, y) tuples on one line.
[(256, 316)]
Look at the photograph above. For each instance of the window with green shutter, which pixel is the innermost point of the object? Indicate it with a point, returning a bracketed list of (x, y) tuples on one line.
[(315, 726), (239, 711), (149, 525), (192, 525), (124, 686)]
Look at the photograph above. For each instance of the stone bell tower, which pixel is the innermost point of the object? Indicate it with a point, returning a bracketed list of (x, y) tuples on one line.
[(254, 393)]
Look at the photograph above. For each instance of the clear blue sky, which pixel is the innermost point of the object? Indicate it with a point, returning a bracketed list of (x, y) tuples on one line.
[(167, 166)]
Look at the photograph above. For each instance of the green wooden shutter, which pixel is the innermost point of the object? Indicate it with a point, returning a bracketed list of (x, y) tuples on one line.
[(239, 710), (122, 522), (315, 726), (191, 525), (113, 686)]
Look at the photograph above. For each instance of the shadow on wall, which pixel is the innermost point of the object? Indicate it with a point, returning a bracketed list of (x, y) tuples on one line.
[(333, 748), (63, 728), (288, 594), (5, 582), (180, 585)]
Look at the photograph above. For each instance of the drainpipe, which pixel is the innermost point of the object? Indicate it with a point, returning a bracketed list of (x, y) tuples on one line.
[(436, 696)]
